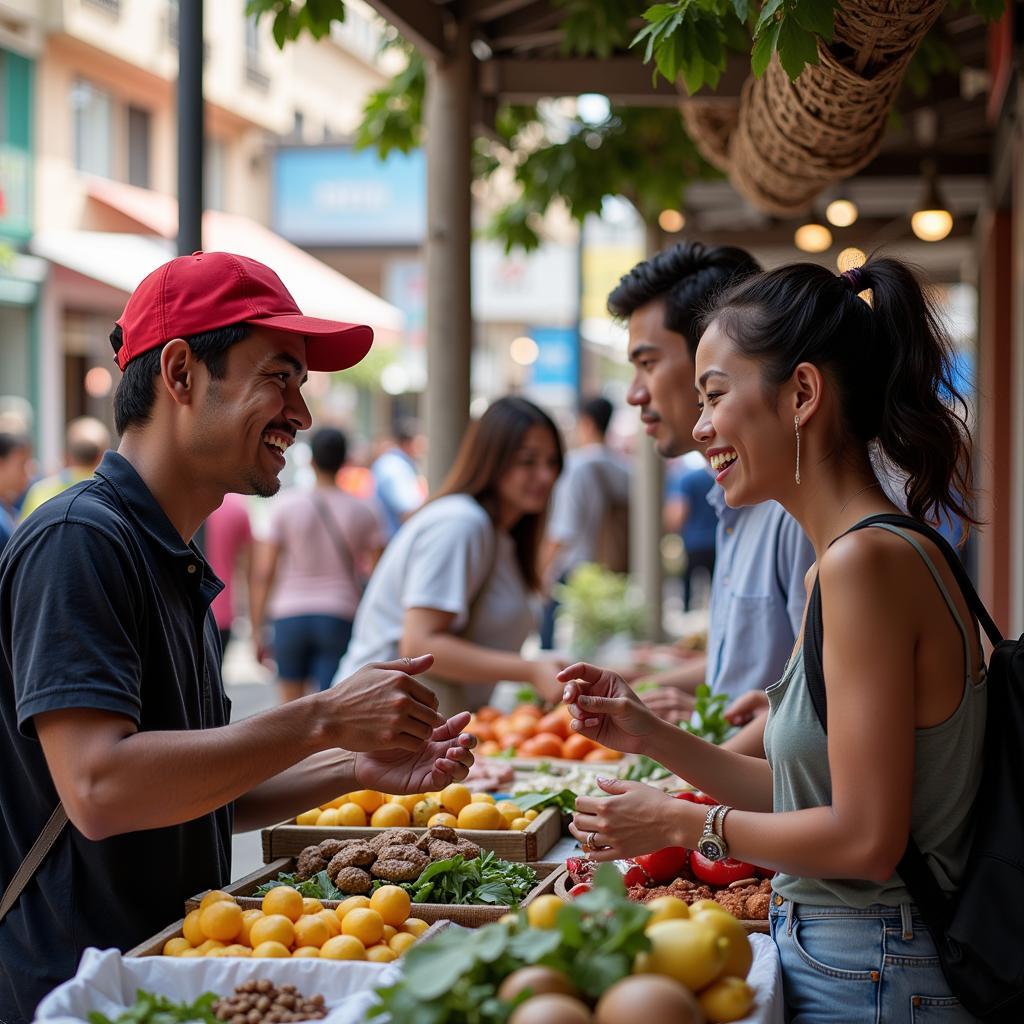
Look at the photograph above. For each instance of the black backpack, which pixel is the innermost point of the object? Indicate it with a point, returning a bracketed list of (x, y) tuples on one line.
[(977, 930)]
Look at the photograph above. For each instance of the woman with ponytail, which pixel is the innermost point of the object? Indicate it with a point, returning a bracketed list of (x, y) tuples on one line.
[(806, 380)]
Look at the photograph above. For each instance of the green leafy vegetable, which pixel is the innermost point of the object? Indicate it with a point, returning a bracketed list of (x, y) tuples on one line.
[(564, 800), (152, 1008), (480, 880), (319, 887), (707, 720), (643, 769)]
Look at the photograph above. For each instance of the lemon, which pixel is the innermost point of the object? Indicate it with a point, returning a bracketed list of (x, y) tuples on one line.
[(408, 802), (306, 951), (176, 946), (283, 899), (365, 925), (214, 896), (424, 811), (685, 950), (381, 954), (221, 921), (191, 930), (190, 952), (509, 810), (519, 824), (727, 999), (392, 903), (543, 911), (368, 799), (272, 928), (330, 918), (455, 797), (328, 818), (707, 905), (390, 931), (343, 947), (481, 798), (739, 955), (352, 903), (311, 931), (390, 816), (248, 916), (236, 949), (308, 817), (311, 906), (414, 926), (351, 815), (401, 942), (443, 818), (205, 948), (531, 814), (480, 816), (271, 949), (337, 801), (666, 908)]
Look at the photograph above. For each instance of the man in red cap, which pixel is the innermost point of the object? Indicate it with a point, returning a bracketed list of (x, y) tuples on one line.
[(111, 704)]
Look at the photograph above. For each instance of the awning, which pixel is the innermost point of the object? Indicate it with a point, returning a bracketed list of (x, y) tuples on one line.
[(122, 260)]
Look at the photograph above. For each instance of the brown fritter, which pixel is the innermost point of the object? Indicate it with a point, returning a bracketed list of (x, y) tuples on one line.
[(449, 835), (310, 861), (400, 863), (440, 850), (353, 880), (330, 847), (358, 855), (392, 837), (468, 850)]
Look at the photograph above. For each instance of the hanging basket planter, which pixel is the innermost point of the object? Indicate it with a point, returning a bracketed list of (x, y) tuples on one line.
[(788, 141)]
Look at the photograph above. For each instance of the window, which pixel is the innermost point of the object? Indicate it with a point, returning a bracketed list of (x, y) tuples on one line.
[(92, 113), (138, 146)]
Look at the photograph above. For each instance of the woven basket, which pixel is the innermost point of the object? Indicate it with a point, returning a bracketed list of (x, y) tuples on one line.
[(791, 140)]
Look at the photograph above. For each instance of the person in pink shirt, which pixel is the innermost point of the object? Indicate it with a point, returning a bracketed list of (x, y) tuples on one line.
[(320, 547), (228, 543)]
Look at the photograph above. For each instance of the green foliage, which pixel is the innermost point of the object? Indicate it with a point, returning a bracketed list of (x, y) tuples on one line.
[(479, 880), (454, 978), (366, 373), (291, 19), (934, 56), (707, 720), (564, 800), (318, 887), (152, 1008), (393, 114), (599, 604), (644, 769), (596, 27)]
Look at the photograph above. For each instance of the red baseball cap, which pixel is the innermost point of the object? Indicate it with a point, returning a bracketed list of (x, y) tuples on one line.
[(207, 290)]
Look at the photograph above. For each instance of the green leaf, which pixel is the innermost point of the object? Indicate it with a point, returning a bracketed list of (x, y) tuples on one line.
[(797, 48), (742, 9), (817, 16), (767, 14)]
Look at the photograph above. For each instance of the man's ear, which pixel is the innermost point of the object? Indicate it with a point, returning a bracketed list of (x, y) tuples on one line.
[(177, 370)]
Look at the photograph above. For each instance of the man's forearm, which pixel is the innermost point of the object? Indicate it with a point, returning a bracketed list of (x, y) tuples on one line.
[(310, 783)]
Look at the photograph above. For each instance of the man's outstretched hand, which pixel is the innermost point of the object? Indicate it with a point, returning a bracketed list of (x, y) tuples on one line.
[(444, 758)]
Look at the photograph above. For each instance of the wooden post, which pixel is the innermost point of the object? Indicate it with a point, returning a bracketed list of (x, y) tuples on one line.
[(449, 317)]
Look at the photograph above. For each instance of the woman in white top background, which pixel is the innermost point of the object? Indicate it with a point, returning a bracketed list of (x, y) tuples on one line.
[(459, 578)]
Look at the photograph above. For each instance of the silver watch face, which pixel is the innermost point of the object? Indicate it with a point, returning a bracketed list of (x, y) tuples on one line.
[(712, 847)]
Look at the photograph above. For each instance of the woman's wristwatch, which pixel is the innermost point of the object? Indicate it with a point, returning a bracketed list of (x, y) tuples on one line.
[(712, 842)]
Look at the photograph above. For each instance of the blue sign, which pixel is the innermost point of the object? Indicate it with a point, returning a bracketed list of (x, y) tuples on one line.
[(557, 364), (339, 196)]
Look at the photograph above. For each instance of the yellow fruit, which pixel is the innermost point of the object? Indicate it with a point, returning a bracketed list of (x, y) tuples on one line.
[(365, 925), (205, 948), (408, 802), (191, 930), (401, 942), (352, 903), (190, 952), (480, 816), (352, 816), (248, 916), (666, 908), (726, 1000), (330, 918), (424, 811), (390, 931), (272, 928), (306, 951), (390, 816), (414, 926), (337, 801), (221, 921), (531, 814), (455, 797), (328, 818), (707, 905), (311, 931), (481, 798), (687, 950), (543, 911), (443, 818), (283, 899), (368, 799), (214, 896), (308, 817), (236, 949), (509, 810), (508, 919), (392, 903), (176, 946), (381, 954), (519, 825), (343, 947), (739, 955), (271, 949), (311, 906)]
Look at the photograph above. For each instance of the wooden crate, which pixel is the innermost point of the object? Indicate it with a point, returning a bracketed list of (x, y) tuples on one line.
[(472, 916), (564, 883), (289, 840), (155, 945)]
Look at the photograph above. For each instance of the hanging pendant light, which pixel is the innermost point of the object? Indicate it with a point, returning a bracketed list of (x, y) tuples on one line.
[(932, 220)]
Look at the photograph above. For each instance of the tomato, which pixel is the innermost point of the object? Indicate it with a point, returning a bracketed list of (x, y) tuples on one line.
[(696, 798), (579, 889), (632, 873), (719, 872), (665, 865)]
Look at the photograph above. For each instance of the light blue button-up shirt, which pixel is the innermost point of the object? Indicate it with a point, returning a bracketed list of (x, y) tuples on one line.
[(757, 594)]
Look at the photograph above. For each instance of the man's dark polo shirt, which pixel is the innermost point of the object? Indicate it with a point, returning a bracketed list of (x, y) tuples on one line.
[(102, 605)]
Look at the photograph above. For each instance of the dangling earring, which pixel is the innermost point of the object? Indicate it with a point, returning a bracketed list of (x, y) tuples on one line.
[(796, 425)]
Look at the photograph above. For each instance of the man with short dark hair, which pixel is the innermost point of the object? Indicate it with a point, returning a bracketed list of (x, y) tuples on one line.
[(15, 456), (398, 484), (85, 442), (111, 702)]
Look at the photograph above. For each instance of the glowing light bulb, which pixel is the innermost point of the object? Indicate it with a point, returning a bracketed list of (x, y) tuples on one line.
[(524, 351), (812, 238), (841, 213)]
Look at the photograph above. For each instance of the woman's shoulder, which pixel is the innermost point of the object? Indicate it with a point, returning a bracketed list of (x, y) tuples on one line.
[(871, 562), (457, 509)]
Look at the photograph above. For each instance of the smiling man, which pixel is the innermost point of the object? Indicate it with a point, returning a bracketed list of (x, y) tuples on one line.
[(112, 710)]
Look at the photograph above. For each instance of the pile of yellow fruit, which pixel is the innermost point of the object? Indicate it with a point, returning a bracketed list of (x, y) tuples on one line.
[(376, 928), (454, 806)]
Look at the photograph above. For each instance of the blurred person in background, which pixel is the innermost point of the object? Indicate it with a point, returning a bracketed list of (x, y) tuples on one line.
[(309, 571), (589, 509), (460, 578), (228, 549), (688, 513), (400, 488), (84, 444), (15, 473)]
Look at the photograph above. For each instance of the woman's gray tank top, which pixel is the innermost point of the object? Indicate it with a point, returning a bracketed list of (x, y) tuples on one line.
[(947, 773)]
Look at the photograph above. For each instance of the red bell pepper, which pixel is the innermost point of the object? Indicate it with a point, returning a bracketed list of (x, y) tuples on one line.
[(580, 889), (632, 873), (719, 872), (696, 798), (664, 865)]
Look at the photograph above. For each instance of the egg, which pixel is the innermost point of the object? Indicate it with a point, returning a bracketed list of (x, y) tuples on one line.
[(647, 997), (539, 980), (551, 1008)]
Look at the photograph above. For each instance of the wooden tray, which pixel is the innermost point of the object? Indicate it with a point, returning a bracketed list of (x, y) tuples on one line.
[(155, 945), (289, 840), (472, 916), (564, 883)]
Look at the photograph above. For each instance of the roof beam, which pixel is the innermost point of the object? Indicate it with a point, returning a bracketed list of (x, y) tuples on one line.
[(487, 10), (421, 22)]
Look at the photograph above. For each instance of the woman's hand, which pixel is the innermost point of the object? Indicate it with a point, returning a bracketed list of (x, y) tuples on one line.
[(746, 707), (632, 820), (543, 677), (670, 703), (605, 709)]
